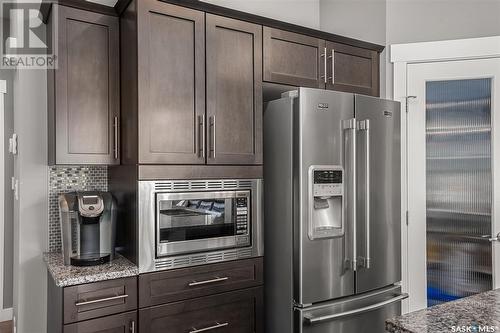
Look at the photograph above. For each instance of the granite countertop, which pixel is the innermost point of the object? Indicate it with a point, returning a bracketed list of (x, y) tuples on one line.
[(478, 313), (65, 276)]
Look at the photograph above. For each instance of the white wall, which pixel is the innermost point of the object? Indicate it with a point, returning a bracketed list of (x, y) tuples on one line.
[(301, 12), (30, 211)]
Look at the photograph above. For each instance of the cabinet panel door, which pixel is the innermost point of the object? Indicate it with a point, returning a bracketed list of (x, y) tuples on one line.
[(86, 91), (354, 69), (234, 91), (235, 312), (92, 300), (170, 286), (120, 323), (171, 87), (294, 59)]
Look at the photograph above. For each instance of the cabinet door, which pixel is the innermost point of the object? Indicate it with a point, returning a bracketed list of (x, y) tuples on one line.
[(85, 101), (352, 69), (294, 59), (171, 83), (235, 312), (234, 91), (120, 323)]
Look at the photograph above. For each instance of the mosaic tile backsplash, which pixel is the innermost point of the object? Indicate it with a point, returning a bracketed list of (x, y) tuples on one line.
[(69, 179)]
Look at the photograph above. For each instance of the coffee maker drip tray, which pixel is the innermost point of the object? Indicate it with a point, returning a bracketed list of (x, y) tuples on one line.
[(90, 259)]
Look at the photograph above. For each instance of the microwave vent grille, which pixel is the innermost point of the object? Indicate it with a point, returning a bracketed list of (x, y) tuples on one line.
[(194, 185), (164, 264), (215, 257), (245, 253)]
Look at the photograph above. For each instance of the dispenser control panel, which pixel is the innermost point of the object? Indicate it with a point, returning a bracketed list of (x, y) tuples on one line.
[(328, 182)]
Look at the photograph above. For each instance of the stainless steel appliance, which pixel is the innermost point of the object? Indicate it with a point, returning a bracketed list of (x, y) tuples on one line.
[(332, 212), (88, 227), (193, 222)]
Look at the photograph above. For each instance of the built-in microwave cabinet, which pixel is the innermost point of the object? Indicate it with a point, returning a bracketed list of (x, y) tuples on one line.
[(183, 58), (84, 90), (304, 61)]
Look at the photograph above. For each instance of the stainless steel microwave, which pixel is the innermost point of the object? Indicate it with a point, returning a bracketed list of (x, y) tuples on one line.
[(193, 222)]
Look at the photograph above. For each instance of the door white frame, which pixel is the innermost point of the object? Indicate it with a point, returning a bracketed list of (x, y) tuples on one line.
[(5, 314), (426, 52)]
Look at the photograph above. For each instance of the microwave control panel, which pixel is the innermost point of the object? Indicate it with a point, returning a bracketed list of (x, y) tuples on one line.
[(242, 216)]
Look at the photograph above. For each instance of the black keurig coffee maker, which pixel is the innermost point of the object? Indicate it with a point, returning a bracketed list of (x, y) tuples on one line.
[(88, 224)]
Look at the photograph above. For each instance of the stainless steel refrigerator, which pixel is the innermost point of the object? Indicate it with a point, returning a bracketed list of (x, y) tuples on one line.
[(332, 212)]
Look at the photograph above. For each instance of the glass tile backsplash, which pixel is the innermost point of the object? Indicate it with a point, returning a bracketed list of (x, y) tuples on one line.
[(68, 179)]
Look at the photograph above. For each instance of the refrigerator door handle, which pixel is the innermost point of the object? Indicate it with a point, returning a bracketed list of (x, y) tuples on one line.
[(364, 126), (349, 127), (311, 320)]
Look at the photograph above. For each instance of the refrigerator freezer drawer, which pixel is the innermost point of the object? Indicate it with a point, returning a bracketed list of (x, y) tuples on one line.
[(360, 313)]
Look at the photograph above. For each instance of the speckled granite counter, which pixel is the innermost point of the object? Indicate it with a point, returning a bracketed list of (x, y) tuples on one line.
[(478, 313), (65, 276)]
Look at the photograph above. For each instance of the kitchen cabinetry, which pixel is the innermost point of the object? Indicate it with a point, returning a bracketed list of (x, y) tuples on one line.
[(300, 60), (294, 59), (107, 306), (234, 91), (238, 311), (83, 92), (171, 84), (165, 117)]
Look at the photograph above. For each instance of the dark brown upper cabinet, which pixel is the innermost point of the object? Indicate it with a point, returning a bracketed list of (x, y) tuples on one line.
[(352, 69), (83, 92), (171, 83), (293, 59), (234, 91), (304, 61)]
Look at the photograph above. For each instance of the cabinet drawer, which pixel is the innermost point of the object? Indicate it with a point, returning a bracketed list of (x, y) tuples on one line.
[(235, 312), (99, 299), (170, 286), (121, 323)]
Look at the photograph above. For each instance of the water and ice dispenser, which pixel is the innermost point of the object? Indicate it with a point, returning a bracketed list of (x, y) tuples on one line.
[(326, 202)]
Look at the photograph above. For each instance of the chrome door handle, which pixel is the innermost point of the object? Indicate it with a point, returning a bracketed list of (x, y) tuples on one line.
[(217, 325), (325, 76), (365, 127), (315, 320), (350, 126), (201, 125), (199, 283), (333, 67), (132, 327), (492, 239), (100, 300), (115, 129)]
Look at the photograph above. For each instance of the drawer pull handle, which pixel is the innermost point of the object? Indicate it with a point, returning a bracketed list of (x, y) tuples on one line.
[(94, 301), (194, 330), (199, 283)]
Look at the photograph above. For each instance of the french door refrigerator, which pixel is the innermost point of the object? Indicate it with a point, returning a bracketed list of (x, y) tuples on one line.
[(332, 212)]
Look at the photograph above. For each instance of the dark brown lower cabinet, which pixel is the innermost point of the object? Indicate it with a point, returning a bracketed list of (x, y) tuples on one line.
[(233, 312), (120, 323)]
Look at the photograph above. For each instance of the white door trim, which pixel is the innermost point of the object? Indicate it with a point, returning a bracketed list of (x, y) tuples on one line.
[(3, 91), (457, 49), (403, 54)]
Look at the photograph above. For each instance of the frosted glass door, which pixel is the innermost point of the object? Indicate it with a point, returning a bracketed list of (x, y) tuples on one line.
[(458, 182), (453, 180)]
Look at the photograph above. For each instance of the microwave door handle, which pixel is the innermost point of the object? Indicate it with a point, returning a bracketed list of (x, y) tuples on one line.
[(364, 126), (349, 127)]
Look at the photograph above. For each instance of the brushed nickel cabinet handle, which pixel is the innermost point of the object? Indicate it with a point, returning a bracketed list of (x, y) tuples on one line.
[(333, 67), (201, 132), (217, 325), (199, 283), (324, 77), (214, 144), (100, 300), (132, 327), (115, 129)]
